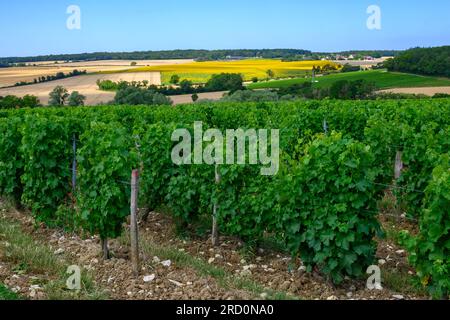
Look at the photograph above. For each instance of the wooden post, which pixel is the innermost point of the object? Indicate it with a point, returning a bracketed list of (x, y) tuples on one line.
[(74, 164), (215, 230), (398, 165), (105, 249), (133, 222), (325, 126)]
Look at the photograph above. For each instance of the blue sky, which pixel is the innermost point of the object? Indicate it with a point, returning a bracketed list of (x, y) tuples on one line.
[(29, 27)]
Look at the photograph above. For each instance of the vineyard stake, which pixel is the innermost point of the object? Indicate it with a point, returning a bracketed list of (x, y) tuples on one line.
[(105, 249), (215, 230), (133, 223), (74, 164), (398, 167)]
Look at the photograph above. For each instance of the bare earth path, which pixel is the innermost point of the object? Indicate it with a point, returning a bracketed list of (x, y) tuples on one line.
[(429, 91)]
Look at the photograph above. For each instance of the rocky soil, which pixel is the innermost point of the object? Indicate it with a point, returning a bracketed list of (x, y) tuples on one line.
[(162, 278)]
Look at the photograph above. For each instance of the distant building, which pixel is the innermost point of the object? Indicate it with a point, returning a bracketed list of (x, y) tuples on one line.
[(235, 58)]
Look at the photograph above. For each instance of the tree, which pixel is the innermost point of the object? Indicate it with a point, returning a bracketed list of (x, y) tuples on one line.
[(349, 68), (186, 86), (13, 102), (137, 96), (225, 82), (329, 67), (358, 89), (29, 101), (194, 97), (76, 99), (426, 61), (174, 79), (10, 102), (270, 74), (58, 96), (254, 79), (134, 63), (251, 96)]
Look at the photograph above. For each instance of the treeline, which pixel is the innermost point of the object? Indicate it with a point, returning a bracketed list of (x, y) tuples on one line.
[(343, 90), (161, 55), (135, 93), (425, 61), (218, 82), (340, 90), (58, 76), (13, 102)]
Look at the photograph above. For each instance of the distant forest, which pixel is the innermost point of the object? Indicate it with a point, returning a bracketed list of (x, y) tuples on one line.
[(201, 55), (162, 55), (425, 61)]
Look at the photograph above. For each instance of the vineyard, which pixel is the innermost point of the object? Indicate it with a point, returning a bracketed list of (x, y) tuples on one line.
[(71, 167)]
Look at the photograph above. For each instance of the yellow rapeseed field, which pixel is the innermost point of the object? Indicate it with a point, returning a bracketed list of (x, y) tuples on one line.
[(200, 72)]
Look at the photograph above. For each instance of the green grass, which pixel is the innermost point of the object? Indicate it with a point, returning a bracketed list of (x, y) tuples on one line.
[(23, 251), (401, 282), (27, 255), (6, 294), (381, 78)]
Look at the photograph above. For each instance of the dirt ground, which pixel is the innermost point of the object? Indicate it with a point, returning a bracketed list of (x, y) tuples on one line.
[(106, 63), (187, 98), (162, 278), (85, 84), (429, 91)]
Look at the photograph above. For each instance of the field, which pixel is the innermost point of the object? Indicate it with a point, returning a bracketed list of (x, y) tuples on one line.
[(429, 91), (309, 231), (200, 72), (85, 84), (381, 78), (156, 72), (11, 76)]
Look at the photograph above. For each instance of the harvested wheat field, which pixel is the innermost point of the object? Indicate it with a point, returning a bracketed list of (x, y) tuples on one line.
[(429, 91), (109, 63), (85, 84), (10, 76)]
